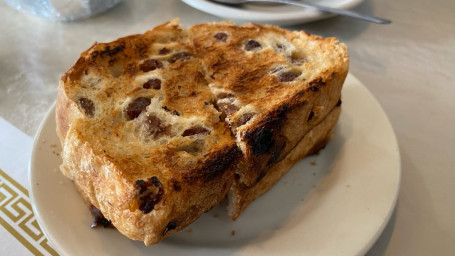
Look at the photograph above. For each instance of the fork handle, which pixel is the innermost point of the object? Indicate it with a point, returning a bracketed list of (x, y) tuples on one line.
[(330, 10)]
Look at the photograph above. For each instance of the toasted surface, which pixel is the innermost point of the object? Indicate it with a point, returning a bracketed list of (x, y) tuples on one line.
[(158, 127), (140, 140), (240, 195), (274, 85)]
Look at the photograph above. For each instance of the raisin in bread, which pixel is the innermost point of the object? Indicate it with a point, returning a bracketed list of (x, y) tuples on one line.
[(141, 140), (157, 128), (274, 86), (241, 195)]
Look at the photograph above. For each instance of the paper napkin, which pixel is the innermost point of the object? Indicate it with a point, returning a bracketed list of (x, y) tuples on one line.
[(20, 233)]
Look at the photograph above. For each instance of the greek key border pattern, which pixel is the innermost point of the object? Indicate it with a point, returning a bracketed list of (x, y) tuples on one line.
[(16, 216)]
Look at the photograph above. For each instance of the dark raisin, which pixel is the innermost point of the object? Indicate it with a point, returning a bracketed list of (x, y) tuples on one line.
[(180, 56), (150, 65), (227, 107), (310, 116), (339, 103), (140, 185), (136, 107), (164, 51), (98, 218), (170, 226), (165, 108), (150, 193), (252, 45), (87, 105), (155, 181), (175, 113), (147, 204), (262, 140), (154, 126), (196, 130), (244, 118), (176, 186), (224, 95), (154, 83), (221, 36), (287, 76)]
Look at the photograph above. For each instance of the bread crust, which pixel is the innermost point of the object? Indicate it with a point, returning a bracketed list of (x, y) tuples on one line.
[(156, 128), (154, 168), (185, 198), (284, 111), (241, 196)]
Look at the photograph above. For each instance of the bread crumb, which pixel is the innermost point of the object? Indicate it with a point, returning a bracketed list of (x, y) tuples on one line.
[(313, 163), (285, 182), (37, 184), (43, 141), (233, 233), (348, 186), (314, 173), (189, 230), (314, 186), (53, 145), (61, 182), (215, 215)]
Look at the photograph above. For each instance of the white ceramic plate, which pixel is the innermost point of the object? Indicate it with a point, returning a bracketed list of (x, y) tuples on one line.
[(279, 14), (334, 203)]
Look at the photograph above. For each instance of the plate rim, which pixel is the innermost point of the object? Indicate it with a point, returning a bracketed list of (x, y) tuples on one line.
[(296, 17), (31, 175)]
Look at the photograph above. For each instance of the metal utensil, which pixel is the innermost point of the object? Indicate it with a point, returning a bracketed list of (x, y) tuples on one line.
[(314, 6)]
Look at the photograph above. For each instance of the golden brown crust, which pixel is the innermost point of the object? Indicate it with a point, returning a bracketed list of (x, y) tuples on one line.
[(151, 155), (155, 126), (287, 81), (184, 200), (241, 195)]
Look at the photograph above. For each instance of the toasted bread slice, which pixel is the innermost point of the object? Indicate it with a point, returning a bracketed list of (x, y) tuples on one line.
[(240, 195), (140, 139), (273, 85), (158, 127)]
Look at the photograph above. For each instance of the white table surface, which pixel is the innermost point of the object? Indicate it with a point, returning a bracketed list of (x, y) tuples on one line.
[(408, 65)]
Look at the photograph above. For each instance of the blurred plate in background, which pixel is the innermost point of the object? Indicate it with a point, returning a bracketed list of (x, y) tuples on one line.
[(276, 14)]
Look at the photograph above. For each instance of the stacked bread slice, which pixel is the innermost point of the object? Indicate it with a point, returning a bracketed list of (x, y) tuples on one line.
[(158, 128), (274, 86)]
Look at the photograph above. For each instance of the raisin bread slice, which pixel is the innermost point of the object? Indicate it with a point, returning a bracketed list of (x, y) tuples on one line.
[(273, 85), (141, 140), (241, 196)]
